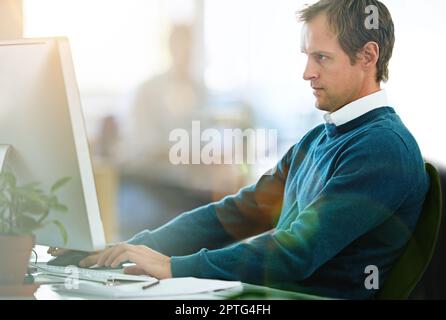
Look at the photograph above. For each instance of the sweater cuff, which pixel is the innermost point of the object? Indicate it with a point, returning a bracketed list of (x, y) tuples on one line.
[(186, 266)]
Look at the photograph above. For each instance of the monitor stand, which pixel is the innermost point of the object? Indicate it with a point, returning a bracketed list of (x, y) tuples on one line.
[(4, 150)]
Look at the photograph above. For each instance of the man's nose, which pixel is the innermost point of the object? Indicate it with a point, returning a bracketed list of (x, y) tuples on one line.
[(310, 72)]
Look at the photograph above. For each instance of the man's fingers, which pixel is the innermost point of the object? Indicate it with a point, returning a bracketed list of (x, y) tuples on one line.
[(124, 256), (113, 255), (116, 252), (134, 270), (104, 255), (89, 261)]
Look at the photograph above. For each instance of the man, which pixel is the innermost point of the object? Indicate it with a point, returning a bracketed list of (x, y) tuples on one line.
[(347, 196)]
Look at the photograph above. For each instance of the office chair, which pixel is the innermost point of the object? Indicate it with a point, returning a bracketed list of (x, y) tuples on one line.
[(413, 262), (433, 284)]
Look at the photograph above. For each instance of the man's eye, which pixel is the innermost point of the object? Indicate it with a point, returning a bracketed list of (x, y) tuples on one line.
[(321, 57)]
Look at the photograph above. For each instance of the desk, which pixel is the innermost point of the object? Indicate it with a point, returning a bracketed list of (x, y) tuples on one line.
[(50, 292)]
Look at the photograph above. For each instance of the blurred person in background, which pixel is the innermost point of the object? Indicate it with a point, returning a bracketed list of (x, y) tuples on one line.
[(169, 101), (165, 102)]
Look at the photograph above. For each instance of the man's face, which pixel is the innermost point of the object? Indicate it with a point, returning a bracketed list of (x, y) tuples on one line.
[(334, 80)]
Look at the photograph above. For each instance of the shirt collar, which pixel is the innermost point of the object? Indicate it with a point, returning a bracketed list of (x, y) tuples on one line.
[(357, 108)]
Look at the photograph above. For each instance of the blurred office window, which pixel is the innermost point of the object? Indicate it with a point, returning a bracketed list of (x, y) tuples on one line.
[(417, 72), (114, 43)]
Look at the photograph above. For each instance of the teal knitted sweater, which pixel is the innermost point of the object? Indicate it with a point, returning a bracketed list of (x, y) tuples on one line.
[(343, 198)]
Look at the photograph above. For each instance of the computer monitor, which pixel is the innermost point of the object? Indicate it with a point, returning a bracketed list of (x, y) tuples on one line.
[(42, 120)]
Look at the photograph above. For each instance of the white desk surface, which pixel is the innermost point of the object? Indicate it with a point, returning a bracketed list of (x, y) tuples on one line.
[(50, 292)]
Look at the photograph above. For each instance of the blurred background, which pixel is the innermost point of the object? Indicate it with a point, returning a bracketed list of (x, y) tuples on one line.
[(146, 67)]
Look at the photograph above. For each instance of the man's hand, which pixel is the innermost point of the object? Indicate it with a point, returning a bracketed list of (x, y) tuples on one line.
[(147, 261)]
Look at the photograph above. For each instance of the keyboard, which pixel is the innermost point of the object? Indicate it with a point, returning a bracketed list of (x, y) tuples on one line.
[(104, 276)]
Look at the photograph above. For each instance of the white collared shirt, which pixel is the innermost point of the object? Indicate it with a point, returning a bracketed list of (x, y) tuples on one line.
[(357, 108)]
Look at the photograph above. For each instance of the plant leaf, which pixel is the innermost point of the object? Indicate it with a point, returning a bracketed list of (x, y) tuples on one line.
[(3, 199), (59, 183), (52, 200), (26, 224), (59, 207), (34, 204), (27, 207), (9, 178), (32, 185), (62, 230), (32, 201)]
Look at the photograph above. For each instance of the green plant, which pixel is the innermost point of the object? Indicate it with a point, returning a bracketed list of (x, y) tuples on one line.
[(24, 209)]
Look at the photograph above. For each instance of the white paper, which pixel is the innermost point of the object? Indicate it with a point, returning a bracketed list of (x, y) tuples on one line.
[(168, 287)]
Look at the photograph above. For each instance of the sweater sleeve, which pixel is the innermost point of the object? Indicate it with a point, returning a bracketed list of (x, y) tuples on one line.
[(370, 181), (251, 211)]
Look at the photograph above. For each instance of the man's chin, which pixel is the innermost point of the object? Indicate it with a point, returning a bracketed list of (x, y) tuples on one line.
[(321, 106)]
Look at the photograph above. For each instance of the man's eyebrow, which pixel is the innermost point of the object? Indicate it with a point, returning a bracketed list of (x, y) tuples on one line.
[(313, 53), (326, 53)]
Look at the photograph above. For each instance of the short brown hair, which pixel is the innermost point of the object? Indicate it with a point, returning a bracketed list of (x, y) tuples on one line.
[(346, 19)]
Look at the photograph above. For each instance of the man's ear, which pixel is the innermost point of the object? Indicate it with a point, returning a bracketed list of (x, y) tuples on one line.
[(369, 54)]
